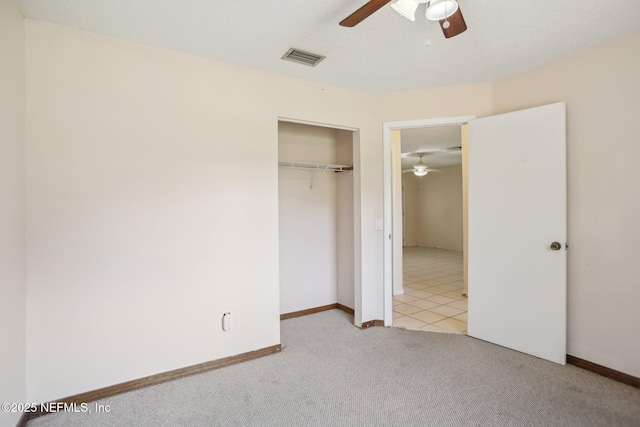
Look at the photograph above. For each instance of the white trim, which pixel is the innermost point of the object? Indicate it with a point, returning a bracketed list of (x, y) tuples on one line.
[(387, 127)]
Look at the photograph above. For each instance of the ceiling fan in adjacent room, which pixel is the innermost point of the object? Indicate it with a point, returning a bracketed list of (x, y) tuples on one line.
[(446, 12), (420, 169)]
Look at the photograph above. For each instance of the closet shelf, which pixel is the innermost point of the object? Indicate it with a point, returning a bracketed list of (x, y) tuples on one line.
[(322, 167)]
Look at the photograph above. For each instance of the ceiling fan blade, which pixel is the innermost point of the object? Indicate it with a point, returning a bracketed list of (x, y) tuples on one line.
[(363, 13), (456, 25)]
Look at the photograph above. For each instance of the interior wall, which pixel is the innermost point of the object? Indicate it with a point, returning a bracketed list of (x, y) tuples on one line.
[(308, 220), (130, 203), (411, 202), (12, 208), (152, 206), (464, 142), (398, 228), (451, 101), (600, 87), (441, 209), (436, 203), (345, 220)]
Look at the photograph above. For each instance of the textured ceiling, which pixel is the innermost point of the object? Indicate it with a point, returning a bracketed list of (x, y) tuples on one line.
[(384, 53), (421, 140)]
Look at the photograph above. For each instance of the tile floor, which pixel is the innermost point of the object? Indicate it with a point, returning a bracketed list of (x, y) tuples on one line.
[(432, 299)]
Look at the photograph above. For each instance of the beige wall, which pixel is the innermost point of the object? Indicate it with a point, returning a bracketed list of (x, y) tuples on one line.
[(434, 209), (600, 87), (411, 206), (464, 143), (12, 208), (153, 206), (461, 100), (397, 228), (131, 206), (346, 220)]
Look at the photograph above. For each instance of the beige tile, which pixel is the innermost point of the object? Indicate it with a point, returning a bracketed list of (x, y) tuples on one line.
[(419, 286), (405, 298), (440, 299), (447, 311), (436, 290), (434, 278), (420, 294), (432, 328), (461, 304), (423, 304), (454, 294), (462, 317), (406, 309), (407, 323), (452, 325), (431, 281), (427, 316)]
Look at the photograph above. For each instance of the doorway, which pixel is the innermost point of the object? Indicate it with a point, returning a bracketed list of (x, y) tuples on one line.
[(393, 210), (429, 295), (515, 198)]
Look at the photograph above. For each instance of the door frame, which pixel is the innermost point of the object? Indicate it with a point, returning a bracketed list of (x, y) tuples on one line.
[(389, 266)]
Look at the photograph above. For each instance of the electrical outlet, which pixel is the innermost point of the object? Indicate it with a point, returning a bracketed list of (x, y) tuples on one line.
[(226, 321)]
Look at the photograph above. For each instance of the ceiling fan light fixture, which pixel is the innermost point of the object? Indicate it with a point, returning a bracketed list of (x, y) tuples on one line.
[(441, 9), (420, 172), (420, 166), (406, 8)]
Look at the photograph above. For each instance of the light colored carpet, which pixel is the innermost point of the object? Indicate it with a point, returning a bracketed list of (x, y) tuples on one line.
[(333, 374)]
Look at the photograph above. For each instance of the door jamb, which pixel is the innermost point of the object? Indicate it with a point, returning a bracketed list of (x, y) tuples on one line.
[(388, 265)]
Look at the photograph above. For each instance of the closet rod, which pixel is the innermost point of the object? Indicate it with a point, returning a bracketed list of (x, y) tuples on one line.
[(314, 166)]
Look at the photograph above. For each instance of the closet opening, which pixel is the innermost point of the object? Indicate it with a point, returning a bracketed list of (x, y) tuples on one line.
[(317, 218)]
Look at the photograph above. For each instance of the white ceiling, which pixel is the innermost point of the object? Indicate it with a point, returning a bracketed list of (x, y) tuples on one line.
[(424, 140), (384, 53)]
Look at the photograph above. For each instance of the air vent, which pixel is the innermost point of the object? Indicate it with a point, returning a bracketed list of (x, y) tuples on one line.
[(302, 57)]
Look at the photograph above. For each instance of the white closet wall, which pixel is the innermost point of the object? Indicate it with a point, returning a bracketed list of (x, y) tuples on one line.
[(344, 156), (316, 234)]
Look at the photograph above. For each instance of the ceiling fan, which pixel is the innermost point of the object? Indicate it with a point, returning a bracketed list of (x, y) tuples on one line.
[(421, 169), (446, 12)]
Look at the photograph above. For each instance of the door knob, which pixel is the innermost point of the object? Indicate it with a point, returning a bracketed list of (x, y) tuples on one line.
[(555, 246)]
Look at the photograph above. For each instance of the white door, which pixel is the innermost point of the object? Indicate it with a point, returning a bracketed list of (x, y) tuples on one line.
[(517, 210)]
